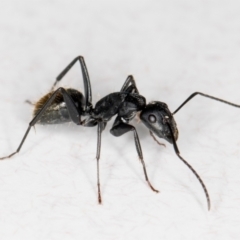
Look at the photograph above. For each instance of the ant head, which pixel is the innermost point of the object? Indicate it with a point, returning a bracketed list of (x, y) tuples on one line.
[(155, 116)]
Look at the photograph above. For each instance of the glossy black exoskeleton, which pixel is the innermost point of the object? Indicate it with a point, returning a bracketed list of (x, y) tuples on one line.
[(69, 105)]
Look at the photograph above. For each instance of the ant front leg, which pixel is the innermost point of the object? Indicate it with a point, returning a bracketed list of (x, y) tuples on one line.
[(74, 114), (119, 128), (155, 139), (130, 86)]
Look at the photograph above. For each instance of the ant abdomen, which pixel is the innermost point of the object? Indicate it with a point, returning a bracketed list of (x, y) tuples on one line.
[(57, 112)]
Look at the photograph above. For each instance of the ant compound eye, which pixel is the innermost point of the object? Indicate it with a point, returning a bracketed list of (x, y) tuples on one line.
[(152, 118)]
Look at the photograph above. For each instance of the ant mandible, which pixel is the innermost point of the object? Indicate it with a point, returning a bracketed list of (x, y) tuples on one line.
[(69, 105)]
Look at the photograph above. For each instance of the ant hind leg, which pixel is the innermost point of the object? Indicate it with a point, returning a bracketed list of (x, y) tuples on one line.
[(72, 110)]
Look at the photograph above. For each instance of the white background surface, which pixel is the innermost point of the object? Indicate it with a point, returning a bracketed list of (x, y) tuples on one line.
[(173, 48)]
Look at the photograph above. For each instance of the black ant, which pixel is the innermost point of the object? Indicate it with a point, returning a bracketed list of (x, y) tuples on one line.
[(66, 105)]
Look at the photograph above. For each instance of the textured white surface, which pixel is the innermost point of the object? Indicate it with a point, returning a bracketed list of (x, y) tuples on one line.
[(173, 48)]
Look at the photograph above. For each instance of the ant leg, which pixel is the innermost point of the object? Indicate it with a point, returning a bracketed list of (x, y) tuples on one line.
[(204, 95), (101, 127), (29, 102), (72, 110), (133, 89), (189, 166), (154, 138), (129, 88), (86, 79), (118, 129)]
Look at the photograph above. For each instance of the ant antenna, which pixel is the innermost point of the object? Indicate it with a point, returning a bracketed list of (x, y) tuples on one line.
[(190, 167), (207, 96)]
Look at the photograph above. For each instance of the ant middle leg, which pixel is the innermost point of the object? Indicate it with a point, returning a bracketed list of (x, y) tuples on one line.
[(129, 85), (101, 126)]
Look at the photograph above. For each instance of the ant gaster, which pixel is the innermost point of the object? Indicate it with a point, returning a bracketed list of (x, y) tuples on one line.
[(66, 105)]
